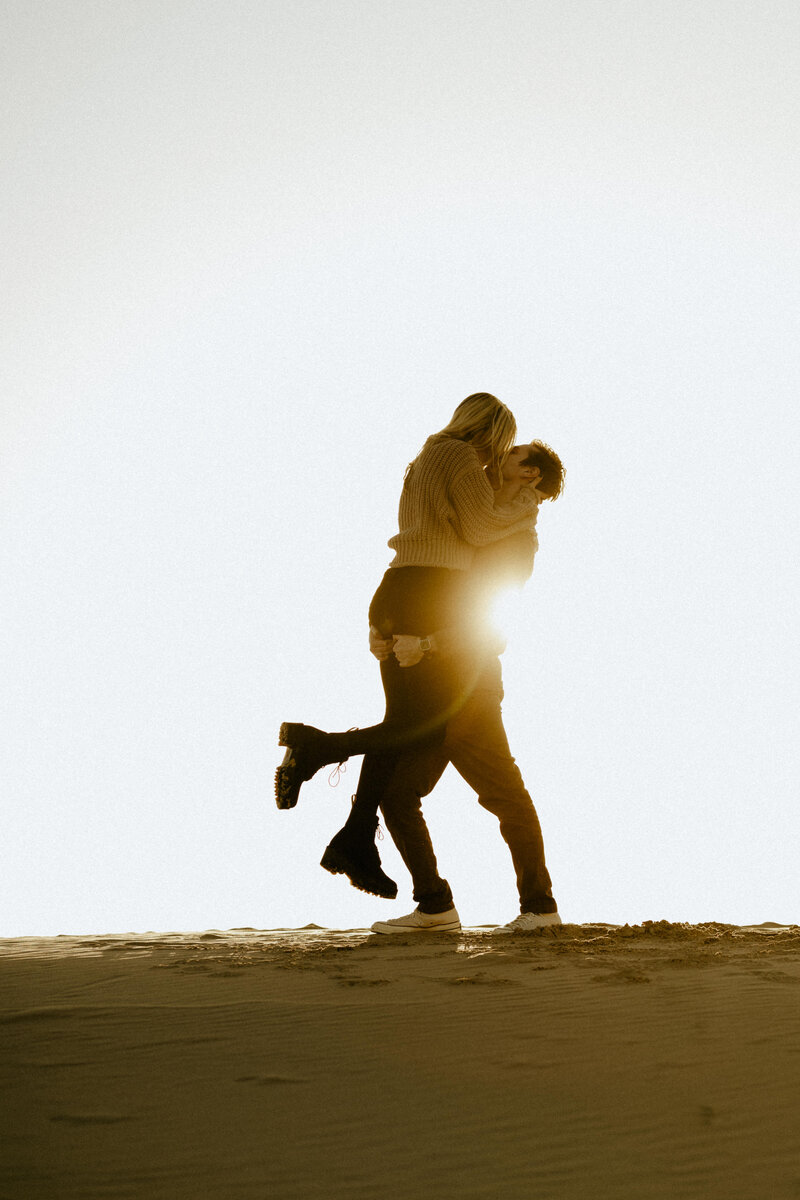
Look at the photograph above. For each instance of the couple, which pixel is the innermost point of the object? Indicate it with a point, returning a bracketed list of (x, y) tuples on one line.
[(467, 528)]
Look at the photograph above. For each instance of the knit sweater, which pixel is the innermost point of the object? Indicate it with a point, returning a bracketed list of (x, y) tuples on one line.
[(447, 509)]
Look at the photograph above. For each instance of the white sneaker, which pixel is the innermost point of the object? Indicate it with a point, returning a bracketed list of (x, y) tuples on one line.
[(420, 922), (526, 921)]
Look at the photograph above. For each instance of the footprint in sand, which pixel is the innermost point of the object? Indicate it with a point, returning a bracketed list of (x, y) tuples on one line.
[(362, 982), (89, 1118), (267, 1080), (625, 976), (480, 977)]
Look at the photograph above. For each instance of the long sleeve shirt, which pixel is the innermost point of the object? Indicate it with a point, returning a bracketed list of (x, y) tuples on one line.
[(447, 509)]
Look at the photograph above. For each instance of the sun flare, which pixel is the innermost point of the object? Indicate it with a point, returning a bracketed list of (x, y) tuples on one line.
[(505, 612)]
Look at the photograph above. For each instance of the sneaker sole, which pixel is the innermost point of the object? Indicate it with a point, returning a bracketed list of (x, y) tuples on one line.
[(550, 921), (384, 927)]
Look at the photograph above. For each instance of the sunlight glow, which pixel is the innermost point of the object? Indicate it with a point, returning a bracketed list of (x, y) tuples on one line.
[(507, 613)]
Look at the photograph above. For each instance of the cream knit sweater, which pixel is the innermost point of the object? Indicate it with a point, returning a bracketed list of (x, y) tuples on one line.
[(447, 509)]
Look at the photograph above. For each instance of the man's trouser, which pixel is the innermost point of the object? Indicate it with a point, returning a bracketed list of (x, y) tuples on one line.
[(477, 746)]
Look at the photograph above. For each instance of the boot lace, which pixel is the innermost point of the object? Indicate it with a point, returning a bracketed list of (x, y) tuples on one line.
[(336, 773), (378, 826), (341, 768)]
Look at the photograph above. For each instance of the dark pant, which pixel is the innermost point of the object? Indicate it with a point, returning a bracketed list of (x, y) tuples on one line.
[(477, 746), (420, 700)]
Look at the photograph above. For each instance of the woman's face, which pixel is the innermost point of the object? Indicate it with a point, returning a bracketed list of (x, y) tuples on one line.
[(514, 470)]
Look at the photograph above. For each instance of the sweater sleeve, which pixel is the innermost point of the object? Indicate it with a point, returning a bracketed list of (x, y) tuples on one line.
[(474, 515)]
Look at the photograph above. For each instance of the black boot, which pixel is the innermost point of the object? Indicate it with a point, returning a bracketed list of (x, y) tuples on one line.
[(308, 750), (352, 852)]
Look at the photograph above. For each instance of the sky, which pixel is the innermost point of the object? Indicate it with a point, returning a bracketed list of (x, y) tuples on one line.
[(254, 253)]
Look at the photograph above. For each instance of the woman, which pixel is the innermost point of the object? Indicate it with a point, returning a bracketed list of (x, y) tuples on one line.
[(447, 510)]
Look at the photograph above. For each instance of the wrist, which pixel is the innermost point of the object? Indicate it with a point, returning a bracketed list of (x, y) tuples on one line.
[(507, 493)]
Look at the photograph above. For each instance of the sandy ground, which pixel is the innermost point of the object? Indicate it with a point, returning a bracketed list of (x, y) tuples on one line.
[(587, 1061)]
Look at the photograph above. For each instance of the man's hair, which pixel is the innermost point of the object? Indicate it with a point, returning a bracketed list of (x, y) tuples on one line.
[(545, 458)]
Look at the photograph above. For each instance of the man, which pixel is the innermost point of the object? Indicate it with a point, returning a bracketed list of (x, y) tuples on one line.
[(475, 739)]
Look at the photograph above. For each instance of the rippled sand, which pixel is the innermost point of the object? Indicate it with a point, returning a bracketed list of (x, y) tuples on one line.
[(657, 1060)]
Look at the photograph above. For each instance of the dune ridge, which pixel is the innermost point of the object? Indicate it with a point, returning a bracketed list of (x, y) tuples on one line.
[(651, 1060)]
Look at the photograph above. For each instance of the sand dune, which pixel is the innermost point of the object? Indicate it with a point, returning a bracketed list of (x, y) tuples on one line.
[(586, 1061)]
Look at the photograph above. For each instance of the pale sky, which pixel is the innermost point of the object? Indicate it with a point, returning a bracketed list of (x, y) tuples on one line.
[(254, 253)]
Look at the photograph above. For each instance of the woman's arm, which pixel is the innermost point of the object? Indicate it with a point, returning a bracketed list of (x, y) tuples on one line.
[(474, 514)]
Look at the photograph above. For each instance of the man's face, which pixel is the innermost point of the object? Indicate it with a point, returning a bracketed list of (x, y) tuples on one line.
[(517, 470)]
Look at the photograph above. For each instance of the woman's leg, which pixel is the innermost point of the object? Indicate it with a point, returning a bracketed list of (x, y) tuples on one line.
[(418, 704), (420, 699), (352, 851)]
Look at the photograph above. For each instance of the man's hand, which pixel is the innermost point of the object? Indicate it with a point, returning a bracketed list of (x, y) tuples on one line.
[(407, 650), (380, 647)]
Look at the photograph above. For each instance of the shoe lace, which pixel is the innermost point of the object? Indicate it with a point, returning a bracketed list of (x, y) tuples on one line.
[(336, 774), (341, 768), (378, 826)]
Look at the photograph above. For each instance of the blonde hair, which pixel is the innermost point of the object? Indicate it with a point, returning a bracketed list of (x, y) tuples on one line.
[(487, 424)]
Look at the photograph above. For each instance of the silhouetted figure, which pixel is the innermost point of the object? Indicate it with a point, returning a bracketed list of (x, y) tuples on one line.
[(448, 508), (475, 742)]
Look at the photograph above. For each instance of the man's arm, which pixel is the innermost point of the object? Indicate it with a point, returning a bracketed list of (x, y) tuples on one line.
[(379, 646), (455, 639)]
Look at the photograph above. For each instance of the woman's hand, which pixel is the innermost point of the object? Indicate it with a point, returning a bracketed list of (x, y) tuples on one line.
[(507, 492)]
